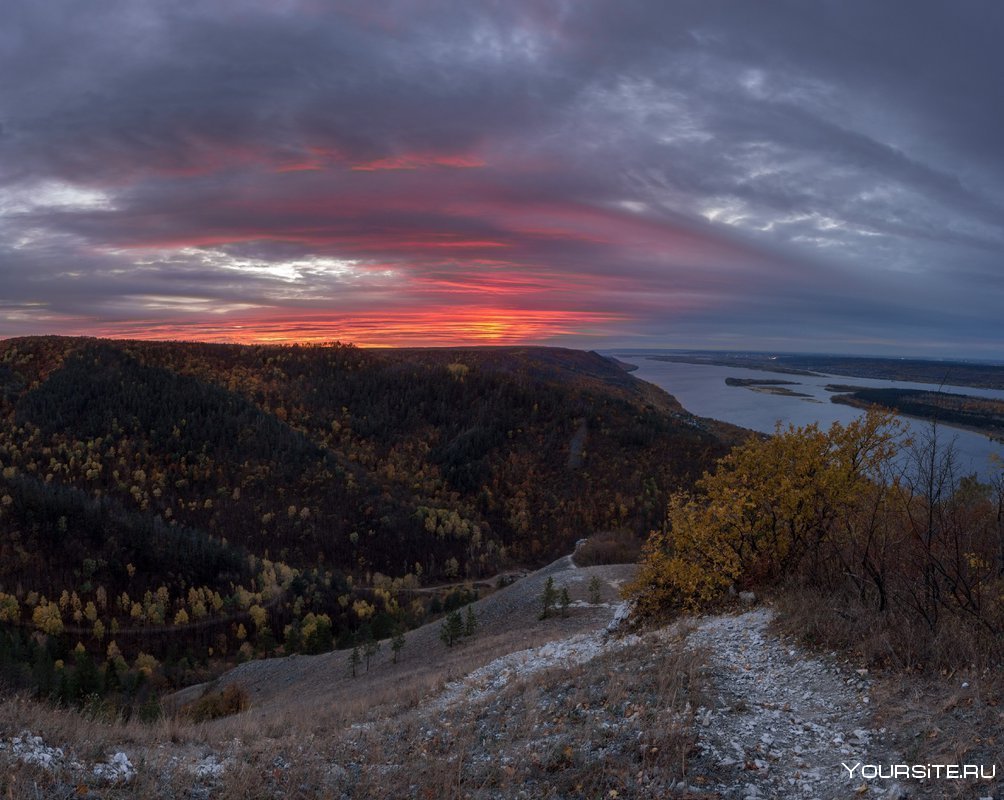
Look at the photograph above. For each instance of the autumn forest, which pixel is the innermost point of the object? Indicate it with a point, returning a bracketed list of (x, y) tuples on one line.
[(167, 509)]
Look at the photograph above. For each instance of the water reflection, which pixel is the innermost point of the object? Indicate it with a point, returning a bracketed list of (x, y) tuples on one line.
[(702, 390)]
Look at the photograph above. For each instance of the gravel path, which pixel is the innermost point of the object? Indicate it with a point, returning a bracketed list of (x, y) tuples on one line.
[(781, 723)]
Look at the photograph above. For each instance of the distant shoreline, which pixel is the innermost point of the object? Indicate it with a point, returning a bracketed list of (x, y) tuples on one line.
[(980, 415), (938, 373)]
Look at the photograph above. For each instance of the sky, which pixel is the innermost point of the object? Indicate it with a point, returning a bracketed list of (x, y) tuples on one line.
[(795, 175)]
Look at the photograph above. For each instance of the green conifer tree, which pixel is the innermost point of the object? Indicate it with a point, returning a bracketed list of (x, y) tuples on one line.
[(354, 659), (370, 648), (452, 629), (470, 622), (397, 643), (564, 601), (548, 598)]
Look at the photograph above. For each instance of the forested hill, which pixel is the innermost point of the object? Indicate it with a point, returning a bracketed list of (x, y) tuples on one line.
[(163, 484)]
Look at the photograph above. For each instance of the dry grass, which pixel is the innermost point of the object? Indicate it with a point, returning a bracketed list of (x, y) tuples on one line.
[(940, 697), (885, 639), (944, 718), (559, 732)]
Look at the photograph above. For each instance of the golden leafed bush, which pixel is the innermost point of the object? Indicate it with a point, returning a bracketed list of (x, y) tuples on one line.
[(232, 699)]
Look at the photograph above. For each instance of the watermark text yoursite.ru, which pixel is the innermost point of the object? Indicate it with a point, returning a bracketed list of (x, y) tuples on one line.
[(950, 772)]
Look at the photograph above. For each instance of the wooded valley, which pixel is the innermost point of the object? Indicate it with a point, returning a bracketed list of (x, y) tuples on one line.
[(168, 508)]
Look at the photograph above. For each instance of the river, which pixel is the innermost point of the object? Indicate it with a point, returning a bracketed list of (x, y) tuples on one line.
[(702, 390)]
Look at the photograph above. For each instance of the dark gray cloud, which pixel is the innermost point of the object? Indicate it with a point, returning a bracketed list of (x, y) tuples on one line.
[(644, 172)]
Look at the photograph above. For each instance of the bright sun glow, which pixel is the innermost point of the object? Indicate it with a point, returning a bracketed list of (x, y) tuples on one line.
[(445, 327)]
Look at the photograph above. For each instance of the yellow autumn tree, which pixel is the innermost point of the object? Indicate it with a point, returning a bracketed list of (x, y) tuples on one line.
[(47, 619), (766, 511), (146, 664), (259, 616), (10, 610)]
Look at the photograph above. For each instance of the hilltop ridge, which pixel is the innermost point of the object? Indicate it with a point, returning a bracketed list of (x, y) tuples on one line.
[(200, 504)]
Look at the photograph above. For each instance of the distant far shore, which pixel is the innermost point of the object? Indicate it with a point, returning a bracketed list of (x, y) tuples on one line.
[(947, 373)]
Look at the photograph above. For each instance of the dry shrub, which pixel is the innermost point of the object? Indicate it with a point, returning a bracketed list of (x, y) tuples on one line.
[(609, 547), (891, 638), (232, 699), (937, 695), (904, 562), (19, 780)]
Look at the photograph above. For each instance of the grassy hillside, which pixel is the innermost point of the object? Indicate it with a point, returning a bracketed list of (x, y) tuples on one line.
[(167, 505)]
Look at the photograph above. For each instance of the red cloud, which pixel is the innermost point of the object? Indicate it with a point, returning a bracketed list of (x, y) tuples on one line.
[(419, 161)]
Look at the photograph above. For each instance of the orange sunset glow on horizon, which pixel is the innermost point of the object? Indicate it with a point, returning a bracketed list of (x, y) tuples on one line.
[(467, 327)]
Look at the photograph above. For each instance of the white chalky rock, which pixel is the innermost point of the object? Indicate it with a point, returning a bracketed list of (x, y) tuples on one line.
[(32, 750), (209, 767), (117, 769)]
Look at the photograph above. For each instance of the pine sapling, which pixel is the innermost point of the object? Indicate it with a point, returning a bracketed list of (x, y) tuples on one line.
[(452, 629), (397, 643), (548, 598), (354, 659), (564, 601), (470, 622)]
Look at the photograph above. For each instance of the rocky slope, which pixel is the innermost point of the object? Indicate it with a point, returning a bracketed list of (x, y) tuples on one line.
[(578, 706)]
